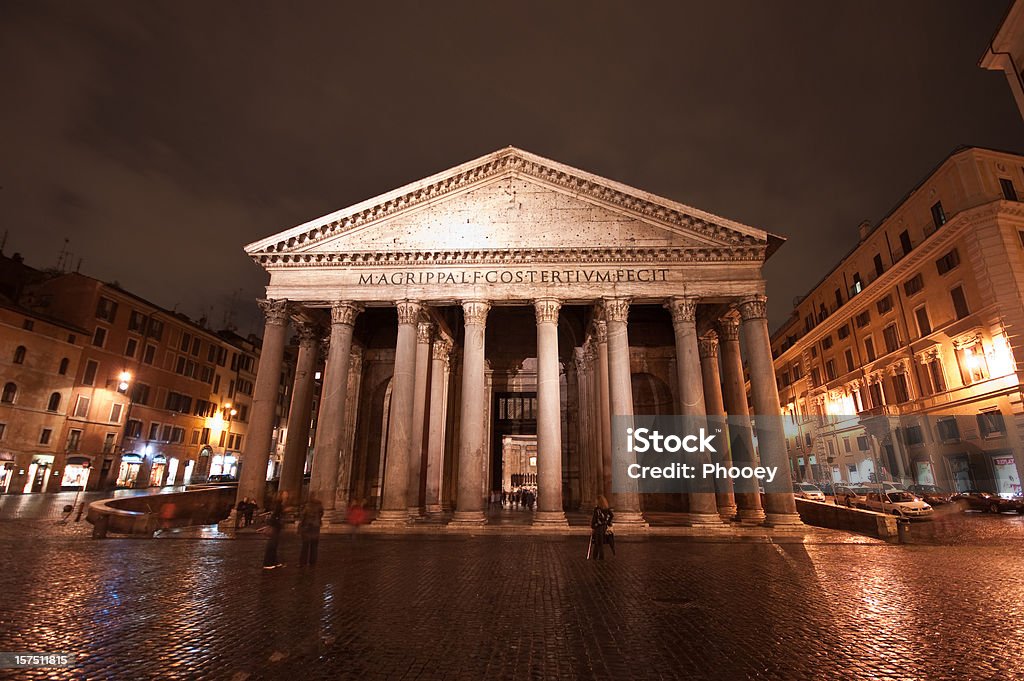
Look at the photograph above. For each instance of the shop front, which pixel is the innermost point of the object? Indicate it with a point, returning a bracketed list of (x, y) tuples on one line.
[(6, 471), (924, 473), (1006, 477), (190, 466), (172, 471), (960, 472), (156, 473), (76, 474), (224, 464), (38, 474), (128, 474)]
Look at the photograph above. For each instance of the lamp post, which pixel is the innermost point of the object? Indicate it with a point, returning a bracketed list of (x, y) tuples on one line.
[(124, 380), (229, 413)]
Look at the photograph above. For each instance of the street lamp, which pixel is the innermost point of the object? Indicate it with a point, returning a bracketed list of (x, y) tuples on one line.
[(229, 413), (124, 380)]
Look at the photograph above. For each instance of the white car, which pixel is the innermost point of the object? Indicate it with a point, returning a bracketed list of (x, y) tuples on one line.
[(805, 490), (902, 504)]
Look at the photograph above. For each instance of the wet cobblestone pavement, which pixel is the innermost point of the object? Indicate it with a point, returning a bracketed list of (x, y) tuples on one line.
[(522, 607)]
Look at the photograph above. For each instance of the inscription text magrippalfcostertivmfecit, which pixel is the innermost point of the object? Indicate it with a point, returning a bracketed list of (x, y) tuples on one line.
[(513, 276)]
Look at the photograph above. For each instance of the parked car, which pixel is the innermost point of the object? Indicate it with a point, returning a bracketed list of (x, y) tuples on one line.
[(902, 504), (894, 487), (805, 490), (989, 502), (850, 495), (222, 478), (936, 496)]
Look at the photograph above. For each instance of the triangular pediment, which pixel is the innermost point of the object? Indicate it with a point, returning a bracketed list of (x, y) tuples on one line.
[(511, 200)]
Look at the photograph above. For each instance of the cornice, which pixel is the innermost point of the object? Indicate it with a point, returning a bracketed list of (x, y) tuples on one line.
[(510, 162), (523, 256)]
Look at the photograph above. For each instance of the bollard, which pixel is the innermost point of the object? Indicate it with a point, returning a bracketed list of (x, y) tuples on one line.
[(99, 528), (903, 530)]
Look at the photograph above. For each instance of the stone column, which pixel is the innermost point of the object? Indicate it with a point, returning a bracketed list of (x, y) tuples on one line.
[(417, 452), (584, 430), (296, 447), (741, 443), (604, 407), (472, 431), (260, 434), (780, 506), (703, 510), (435, 436), (714, 402), (620, 394), (549, 416), (323, 480), (394, 505)]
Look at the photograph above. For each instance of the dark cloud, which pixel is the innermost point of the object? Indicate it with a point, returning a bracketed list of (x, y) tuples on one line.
[(162, 137)]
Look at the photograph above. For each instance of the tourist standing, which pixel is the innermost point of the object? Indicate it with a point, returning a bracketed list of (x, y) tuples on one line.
[(600, 524), (309, 530), (274, 524)]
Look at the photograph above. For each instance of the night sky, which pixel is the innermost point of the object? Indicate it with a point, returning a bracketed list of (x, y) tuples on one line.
[(160, 138)]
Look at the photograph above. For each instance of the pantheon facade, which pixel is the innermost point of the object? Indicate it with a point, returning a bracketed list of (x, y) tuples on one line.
[(513, 298)]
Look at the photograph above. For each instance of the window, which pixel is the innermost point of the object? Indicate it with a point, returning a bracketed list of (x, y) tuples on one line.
[(878, 265), (3, 428), (973, 365), (863, 319), (186, 341), (177, 402), (843, 331), (891, 336), (826, 342), (815, 377), (948, 262), (140, 394), (913, 435), (991, 424), (115, 412), (785, 379), (44, 436), (900, 388), (63, 368), (10, 393), (154, 431), (960, 307), (862, 443), (914, 284), (932, 378), (814, 351), (28, 325), (857, 286), (938, 215), (106, 309), (82, 407), (839, 298), (243, 412), (74, 439), (216, 384), (108, 442), (830, 370), (808, 323), (177, 435), (133, 428), (1009, 192), (884, 305), (99, 337), (131, 347), (850, 366), (205, 436), (924, 325), (165, 433), (156, 329), (150, 353), (846, 444), (798, 373), (948, 430), (905, 242), (19, 355), (54, 403), (869, 348), (875, 391), (136, 321), (195, 347), (89, 377)]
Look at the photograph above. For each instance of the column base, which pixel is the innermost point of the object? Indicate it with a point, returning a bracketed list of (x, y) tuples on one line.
[(468, 518), (550, 519), (702, 519), (727, 513), (392, 518), (434, 509), (629, 519), (783, 520), (416, 512), (750, 516)]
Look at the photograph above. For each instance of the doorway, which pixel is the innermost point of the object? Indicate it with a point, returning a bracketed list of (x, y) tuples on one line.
[(514, 444)]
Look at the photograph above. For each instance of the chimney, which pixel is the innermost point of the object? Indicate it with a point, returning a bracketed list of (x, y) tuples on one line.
[(864, 229)]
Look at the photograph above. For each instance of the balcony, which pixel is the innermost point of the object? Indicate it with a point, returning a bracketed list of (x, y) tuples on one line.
[(884, 410)]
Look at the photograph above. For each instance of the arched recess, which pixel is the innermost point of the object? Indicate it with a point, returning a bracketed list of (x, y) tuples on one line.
[(652, 396)]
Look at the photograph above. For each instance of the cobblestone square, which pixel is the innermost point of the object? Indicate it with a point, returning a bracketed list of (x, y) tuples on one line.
[(519, 607)]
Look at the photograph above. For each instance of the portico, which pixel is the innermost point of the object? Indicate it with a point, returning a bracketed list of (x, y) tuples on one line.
[(514, 277)]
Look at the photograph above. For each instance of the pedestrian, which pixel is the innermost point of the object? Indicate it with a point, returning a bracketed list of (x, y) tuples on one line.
[(250, 508), (309, 530), (274, 526), (600, 529), (355, 516), (240, 512)]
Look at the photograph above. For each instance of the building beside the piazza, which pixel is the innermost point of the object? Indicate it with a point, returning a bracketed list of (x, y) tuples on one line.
[(1005, 52), (904, 362), (498, 315), (104, 389)]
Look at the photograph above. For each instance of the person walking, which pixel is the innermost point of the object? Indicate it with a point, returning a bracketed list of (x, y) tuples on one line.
[(250, 509), (309, 530), (240, 512), (600, 525), (274, 524)]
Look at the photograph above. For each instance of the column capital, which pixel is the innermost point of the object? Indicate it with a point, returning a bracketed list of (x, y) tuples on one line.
[(343, 312), (707, 345), (753, 307), (425, 333), (579, 356), (309, 333), (683, 309), (616, 309), (601, 330), (277, 312), (728, 327), (408, 311), (546, 310), (442, 349), (475, 311)]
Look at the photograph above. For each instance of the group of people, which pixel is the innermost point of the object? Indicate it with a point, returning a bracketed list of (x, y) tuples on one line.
[(521, 497), (310, 520), (244, 512)]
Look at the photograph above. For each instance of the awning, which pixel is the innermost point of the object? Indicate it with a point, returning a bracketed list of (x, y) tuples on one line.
[(42, 458), (6, 456), (79, 461), (131, 458)]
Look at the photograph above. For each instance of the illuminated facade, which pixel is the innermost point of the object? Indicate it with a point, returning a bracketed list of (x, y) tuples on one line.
[(509, 305), (1006, 51), (902, 363)]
